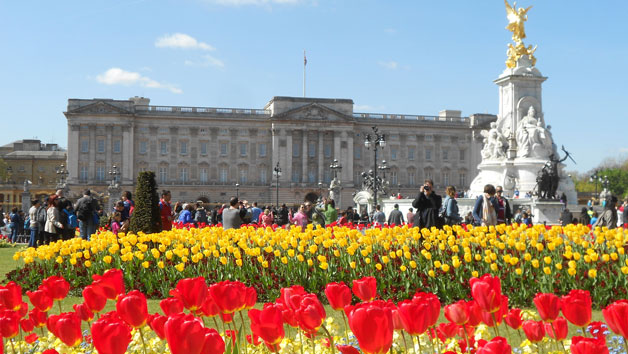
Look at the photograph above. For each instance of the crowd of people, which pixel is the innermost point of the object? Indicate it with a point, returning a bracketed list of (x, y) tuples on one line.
[(57, 218)]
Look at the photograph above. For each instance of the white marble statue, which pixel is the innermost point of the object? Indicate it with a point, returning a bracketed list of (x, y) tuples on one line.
[(494, 143), (533, 140), (334, 189)]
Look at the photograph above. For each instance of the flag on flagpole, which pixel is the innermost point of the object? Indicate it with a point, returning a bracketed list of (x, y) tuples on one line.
[(304, 59)]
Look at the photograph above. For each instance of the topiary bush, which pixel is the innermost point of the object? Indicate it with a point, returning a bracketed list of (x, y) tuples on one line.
[(146, 214)]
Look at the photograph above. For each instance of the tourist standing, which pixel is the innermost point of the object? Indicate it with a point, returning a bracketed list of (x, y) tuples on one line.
[(14, 222), (379, 217), (396, 216), (584, 217), (165, 210), (331, 214), (504, 213), (53, 227), (566, 217), (266, 218), (200, 215), (609, 215), (185, 216), (86, 207), (255, 213), (232, 217), (427, 205), (283, 215), (410, 215), (129, 204), (450, 212), (32, 214), (484, 210), (300, 218)]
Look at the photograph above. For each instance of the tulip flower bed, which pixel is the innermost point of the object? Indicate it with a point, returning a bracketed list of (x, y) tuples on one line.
[(402, 259), (209, 319)]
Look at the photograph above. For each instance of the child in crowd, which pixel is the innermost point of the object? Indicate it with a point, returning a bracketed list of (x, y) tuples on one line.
[(116, 222)]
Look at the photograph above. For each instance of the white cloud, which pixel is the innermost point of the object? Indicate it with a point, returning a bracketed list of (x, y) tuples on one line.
[(390, 30), (117, 76), (390, 65), (253, 2), (181, 41), (207, 60)]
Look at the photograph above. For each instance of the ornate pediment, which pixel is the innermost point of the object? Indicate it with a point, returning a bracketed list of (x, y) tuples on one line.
[(315, 112), (100, 107)]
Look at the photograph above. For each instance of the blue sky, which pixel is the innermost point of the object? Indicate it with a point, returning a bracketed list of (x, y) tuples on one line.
[(412, 57)]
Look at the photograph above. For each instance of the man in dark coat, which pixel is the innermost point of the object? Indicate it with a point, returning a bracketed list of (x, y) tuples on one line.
[(427, 205)]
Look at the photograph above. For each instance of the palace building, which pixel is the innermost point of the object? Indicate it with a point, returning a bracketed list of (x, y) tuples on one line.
[(211, 154)]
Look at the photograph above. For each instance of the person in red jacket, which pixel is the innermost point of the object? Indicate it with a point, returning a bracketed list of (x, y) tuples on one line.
[(165, 210)]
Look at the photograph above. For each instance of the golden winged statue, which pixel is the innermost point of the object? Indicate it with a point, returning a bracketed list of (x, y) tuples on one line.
[(516, 18)]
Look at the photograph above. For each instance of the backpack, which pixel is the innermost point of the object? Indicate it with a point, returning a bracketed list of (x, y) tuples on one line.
[(72, 220), (27, 223), (200, 216), (42, 215), (84, 210)]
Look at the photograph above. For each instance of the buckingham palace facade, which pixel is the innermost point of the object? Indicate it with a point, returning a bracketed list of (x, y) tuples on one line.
[(201, 153)]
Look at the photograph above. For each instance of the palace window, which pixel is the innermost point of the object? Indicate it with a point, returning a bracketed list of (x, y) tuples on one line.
[(445, 155), (311, 176), (262, 176), (411, 180), (243, 149), (184, 174), (100, 173), (143, 147), (311, 149), (203, 175), (393, 153), (100, 145), (223, 149), (428, 154), (84, 175), (203, 148), (296, 177), (163, 174), (184, 148), (84, 145), (446, 178), (163, 147), (223, 175), (411, 154), (243, 176), (262, 150), (327, 150), (117, 146), (296, 149), (463, 179), (462, 154), (357, 152)]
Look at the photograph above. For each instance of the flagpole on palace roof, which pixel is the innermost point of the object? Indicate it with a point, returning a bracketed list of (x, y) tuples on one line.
[(304, 64)]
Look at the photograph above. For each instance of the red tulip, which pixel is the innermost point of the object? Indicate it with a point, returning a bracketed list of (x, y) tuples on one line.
[(310, 314), (267, 324), (226, 317), (213, 343), (534, 330), (233, 335), (156, 323), (448, 330), (338, 295), (84, 312), (50, 351), (513, 319), (581, 345), (365, 289), (11, 296), (66, 327), (457, 313), (9, 323), (133, 309), (414, 316), (253, 339), (31, 338), (487, 291), (548, 306), (347, 349), (497, 345), (209, 308), (372, 325), (433, 306), (496, 317), (576, 307), (290, 297), (251, 298), (56, 286), (186, 335), (191, 292), (475, 313), (38, 317), (40, 299), (616, 316), (558, 329), (111, 335), (27, 324), (112, 283), (171, 306), (230, 296), (95, 298), (397, 323)]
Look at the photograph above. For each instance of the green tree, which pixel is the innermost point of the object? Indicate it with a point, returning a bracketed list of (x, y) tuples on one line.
[(146, 216)]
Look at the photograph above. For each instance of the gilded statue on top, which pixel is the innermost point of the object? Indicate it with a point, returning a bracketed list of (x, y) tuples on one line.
[(516, 19)]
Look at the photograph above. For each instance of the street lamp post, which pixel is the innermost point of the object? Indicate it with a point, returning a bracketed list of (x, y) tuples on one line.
[(595, 178), (114, 188), (277, 174), (237, 185), (335, 168), (63, 173), (375, 140), (320, 190), (605, 183)]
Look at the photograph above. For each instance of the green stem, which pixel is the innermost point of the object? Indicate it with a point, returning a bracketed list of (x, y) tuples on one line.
[(495, 325), (344, 318), (331, 340), (142, 338), (554, 334), (313, 344), (12, 346), (216, 324), (59, 303), (418, 339), (405, 344), (435, 340), (466, 340), (301, 339), (244, 332)]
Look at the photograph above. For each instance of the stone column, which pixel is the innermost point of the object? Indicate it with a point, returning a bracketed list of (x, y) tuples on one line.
[(288, 161), (93, 145), (73, 153), (109, 148), (304, 158), (127, 154), (350, 154), (321, 164)]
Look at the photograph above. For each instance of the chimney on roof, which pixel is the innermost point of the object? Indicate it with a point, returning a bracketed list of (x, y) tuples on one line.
[(140, 101)]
